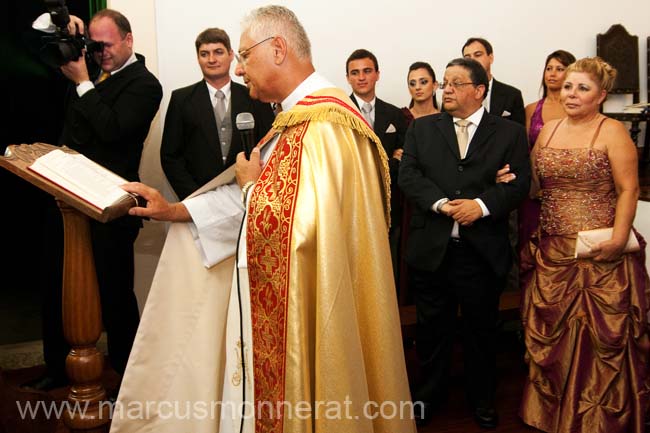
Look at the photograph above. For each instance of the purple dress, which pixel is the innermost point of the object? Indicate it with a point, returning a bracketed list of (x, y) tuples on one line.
[(536, 123), (530, 208)]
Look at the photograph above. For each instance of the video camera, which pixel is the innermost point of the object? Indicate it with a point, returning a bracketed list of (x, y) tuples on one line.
[(62, 47)]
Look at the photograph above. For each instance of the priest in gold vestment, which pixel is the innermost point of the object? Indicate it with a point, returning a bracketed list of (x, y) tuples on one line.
[(306, 338)]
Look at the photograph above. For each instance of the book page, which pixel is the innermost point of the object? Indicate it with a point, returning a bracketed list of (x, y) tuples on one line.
[(81, 176)]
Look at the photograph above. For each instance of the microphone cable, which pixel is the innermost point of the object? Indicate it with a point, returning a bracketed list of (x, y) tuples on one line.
[(241, 325)]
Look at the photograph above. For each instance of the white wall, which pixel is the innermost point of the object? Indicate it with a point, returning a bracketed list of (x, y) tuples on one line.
[(399, 33)]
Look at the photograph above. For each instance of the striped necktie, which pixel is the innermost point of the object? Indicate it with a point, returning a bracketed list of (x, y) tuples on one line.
[(220, 107), (463, 136), (366, 109)]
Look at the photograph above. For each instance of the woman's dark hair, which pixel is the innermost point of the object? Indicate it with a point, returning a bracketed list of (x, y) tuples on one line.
[(564, 57), (423, 65)]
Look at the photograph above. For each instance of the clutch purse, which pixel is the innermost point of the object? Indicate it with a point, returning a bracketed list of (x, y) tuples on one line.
[(589, 239)]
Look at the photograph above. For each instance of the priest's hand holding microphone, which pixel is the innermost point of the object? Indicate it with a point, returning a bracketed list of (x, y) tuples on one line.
[(249, 165), (247, 169)]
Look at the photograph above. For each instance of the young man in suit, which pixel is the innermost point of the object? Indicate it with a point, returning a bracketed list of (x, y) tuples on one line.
[(362, 72), (458, 249), (502, 99), (198, 144), (106, 119), (388, 122)]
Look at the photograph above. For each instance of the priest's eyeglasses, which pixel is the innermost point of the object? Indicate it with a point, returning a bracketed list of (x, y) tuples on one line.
[(242, 56), (453, 85)]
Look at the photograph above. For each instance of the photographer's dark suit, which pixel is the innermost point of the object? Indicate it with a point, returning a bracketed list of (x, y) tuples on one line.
[(190, 153), (469, 271), (108, 124)]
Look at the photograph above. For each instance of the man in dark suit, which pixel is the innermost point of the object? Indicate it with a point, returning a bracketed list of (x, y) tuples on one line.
[(106, 120), (362, 72), (196, 145), (458, 249), (505, 101), (388, 122), (502, 99)]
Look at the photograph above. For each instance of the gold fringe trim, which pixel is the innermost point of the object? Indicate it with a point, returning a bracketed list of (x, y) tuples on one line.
[(335, 113)]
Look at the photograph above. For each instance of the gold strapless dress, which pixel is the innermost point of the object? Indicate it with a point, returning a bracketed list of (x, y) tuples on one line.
[(585, 322)]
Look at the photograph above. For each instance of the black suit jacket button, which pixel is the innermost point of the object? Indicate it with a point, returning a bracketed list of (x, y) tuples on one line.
[(460, 168), (457, 192)]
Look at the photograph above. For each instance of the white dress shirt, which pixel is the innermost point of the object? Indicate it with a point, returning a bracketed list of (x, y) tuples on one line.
[(213, 94), (488, 96), (475, 120)]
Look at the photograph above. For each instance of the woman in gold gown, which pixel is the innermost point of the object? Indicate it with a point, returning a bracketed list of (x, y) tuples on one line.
[(585, 320)]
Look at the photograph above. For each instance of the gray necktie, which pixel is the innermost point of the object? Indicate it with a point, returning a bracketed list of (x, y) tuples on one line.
[(366, 109), (462, 136), (220, 106)]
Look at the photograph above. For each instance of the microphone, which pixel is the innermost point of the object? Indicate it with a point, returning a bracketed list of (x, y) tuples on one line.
[(245, 123)]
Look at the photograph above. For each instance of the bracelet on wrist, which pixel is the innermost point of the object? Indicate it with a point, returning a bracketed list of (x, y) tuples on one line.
[(244, 191)]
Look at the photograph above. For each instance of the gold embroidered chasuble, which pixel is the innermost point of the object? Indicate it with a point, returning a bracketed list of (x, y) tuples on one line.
[(323, 304), (325, 324)]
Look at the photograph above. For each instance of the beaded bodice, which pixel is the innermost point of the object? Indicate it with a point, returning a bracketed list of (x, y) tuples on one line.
[(577, 190)]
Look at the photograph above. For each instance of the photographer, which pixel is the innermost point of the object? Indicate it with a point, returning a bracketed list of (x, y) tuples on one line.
[(106, 120)]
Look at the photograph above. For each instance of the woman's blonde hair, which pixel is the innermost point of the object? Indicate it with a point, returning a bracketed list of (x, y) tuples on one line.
[(601, 72)]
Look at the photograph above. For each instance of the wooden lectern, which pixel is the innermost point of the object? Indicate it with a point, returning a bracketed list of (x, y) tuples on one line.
[(82, 323)]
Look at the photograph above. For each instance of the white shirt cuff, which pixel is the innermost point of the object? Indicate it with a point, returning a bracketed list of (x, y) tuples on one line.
[(484, 208), (439, 203), (83, 87)]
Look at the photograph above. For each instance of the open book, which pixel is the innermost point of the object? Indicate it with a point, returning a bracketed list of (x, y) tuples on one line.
[(85, 179)]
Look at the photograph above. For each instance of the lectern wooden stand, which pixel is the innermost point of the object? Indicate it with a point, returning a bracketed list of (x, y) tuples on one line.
[(82, 323)]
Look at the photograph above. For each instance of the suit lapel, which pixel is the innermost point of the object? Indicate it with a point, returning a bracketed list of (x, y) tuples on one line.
[(496, 99), (205, 113), (381, 117), (445, 124), (354, 99), (484, 130)]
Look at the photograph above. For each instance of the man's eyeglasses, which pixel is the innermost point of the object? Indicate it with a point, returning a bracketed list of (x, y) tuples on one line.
[(453, 85), (243, 54)]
